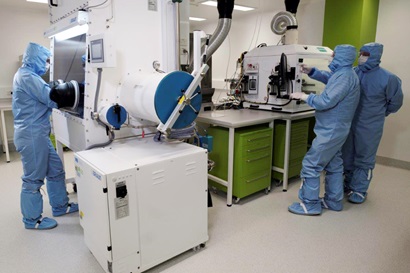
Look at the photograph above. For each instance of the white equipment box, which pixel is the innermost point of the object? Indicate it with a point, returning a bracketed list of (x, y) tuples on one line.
[(260, 63), (142, 202)]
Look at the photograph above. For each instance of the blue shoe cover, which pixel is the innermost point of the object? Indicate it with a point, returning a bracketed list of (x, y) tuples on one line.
[(357, 197), (331, 205), (305, 209), (42, 223), (70, 208)]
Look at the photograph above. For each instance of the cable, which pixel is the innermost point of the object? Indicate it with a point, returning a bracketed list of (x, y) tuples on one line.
[(111, 135), (260, 22), (97, 91), (254, 31), (273, 104), (98, 5)]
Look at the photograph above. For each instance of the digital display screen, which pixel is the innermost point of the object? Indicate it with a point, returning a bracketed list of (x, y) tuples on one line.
[(97, 51)]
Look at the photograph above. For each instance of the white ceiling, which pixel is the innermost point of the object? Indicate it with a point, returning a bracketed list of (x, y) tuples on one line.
[(211, 13), (196, 9)]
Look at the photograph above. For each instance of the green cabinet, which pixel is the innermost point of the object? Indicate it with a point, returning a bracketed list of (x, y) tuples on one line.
[(298, 147), (252, 158)]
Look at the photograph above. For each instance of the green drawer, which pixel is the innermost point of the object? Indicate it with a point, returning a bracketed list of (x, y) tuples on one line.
[(253, 162), (219, 153), (247, 185), (252, 158), (298, 147), (254, 139), (295, 166)]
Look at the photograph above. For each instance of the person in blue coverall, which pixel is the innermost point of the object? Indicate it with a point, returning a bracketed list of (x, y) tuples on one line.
[(335, 108), (381, 95), (32, 107)]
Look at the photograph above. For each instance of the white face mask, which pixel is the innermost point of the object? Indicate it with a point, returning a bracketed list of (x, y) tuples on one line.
[(363, 59), (47, 67)]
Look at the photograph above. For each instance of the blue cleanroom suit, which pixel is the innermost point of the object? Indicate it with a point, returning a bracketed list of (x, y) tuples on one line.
[(32, 107), (335, 108), (381, 95)]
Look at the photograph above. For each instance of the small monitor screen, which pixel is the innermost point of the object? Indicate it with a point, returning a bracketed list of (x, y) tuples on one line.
[(97, 51)]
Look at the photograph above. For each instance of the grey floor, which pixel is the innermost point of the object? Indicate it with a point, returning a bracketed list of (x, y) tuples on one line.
[(257, 235)]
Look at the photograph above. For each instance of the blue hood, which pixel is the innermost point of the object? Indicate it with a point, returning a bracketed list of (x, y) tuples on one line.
[(345, 55), (35, 58), (376, 51)]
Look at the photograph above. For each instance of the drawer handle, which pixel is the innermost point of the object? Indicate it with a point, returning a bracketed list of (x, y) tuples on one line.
[(257, 178), (258, 138), (258, 149), (255, 159)]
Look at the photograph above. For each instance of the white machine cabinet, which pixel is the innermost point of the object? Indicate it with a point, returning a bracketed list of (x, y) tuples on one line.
[(60, 9), (142, 202), (261, 62)]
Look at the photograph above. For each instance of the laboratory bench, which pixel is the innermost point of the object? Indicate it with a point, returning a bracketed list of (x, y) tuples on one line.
[(240, 127)]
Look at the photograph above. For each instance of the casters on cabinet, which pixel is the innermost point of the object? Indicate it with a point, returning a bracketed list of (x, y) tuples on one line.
[(267, 191), (278, 182), (214, 190), (198, 247)]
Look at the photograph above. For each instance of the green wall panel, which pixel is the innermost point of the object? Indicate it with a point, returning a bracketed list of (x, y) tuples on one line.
[(350, 22), (369, 22)]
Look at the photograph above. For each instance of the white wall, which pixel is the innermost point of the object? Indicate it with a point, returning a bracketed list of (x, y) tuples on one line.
[(18, 28), (392, 32), (248, 31)]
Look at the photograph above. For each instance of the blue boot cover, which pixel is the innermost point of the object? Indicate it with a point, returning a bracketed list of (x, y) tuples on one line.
[(31, 203), (357, 197), (361, 180), (42, 223), (70, 208), (331, 205), (309, 195), (305, 209), (333, 191)]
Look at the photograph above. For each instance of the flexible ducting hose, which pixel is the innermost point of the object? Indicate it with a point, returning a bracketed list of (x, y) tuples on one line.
[(184, 133), (281, 21), (225, 8)]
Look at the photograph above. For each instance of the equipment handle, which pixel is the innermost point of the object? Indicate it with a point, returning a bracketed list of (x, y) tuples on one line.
[(52, 3), (255, 159)]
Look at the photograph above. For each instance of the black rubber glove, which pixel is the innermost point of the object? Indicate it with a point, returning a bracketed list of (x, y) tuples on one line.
[(63, 94)]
